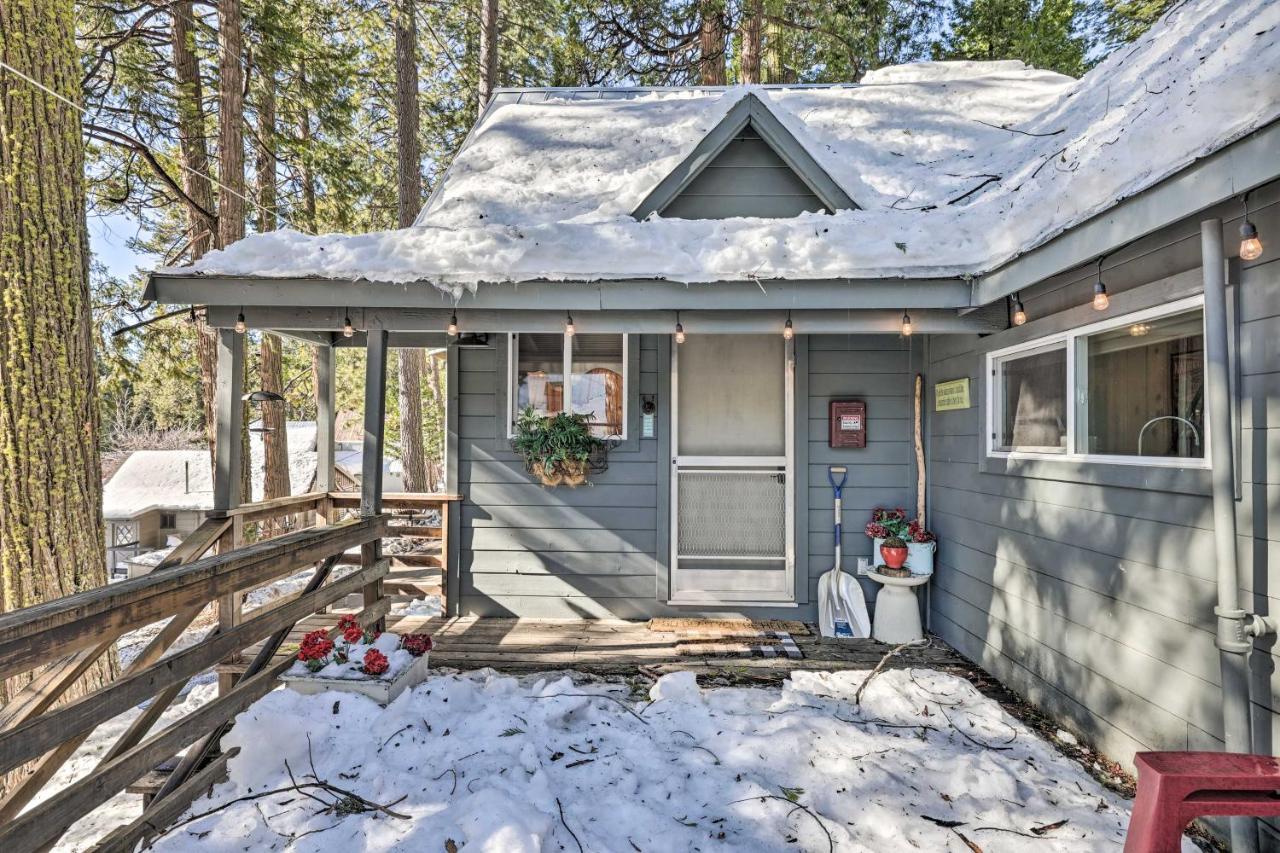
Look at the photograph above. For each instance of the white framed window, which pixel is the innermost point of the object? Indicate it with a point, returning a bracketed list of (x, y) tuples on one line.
[(1125, 390), (585, 373)]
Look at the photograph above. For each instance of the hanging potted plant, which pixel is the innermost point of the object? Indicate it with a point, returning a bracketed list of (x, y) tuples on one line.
[(557, 449)]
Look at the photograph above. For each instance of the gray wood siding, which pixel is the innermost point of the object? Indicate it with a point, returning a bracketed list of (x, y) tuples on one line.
[(1091, 592), (530, 551), (601, 550), (747, 178), (878, 370)]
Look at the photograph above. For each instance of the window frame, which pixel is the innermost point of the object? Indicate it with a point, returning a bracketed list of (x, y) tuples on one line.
[(1077, 394), (566, 364)]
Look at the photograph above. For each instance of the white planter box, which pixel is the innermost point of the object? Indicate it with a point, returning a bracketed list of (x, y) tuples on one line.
[(380, 690), (919, 556)]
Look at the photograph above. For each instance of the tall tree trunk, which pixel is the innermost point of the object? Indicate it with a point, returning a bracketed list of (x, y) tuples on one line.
[(51, 531), (275, 438), (488, 52), (711, 38), (195, 182), (752, 19), (231, 198), (437, 417), (410, 365), (412, 457)]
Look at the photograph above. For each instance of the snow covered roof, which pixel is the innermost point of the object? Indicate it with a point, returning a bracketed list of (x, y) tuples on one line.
[(957, 168), (182, 480)]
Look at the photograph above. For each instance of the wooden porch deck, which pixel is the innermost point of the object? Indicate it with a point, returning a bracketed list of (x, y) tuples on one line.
[(606, 647)]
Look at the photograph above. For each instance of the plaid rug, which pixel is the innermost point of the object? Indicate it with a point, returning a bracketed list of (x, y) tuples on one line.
[(762, 644)]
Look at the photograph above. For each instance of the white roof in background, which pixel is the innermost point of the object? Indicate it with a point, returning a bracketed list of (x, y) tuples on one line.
[(181, 480), (958, 167)]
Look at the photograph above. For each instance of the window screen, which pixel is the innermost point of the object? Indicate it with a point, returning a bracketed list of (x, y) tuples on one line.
[(1033, 393), (1146, 388)]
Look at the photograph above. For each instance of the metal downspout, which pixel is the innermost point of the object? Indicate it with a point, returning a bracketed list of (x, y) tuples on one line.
[(1234, 639)]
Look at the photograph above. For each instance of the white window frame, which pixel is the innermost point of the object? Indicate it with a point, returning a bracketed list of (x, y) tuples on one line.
[(513, 390), (1077, 395)]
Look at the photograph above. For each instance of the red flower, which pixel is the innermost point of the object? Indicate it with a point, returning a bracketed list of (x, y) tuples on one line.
[(375, 662), (876, 530), (346, 621), (353, 634), (315, 646), (416, 644)]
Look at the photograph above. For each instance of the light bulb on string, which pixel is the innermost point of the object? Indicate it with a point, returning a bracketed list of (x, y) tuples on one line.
[(1019, 313)]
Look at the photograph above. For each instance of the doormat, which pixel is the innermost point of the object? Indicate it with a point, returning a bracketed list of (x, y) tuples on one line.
[(764, 644), (728, 626)]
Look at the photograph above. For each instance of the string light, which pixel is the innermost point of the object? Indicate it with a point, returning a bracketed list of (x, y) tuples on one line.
[(453, 325), (348, 330), (1250, 245), (679, 330), (788, 330), (1019, 313), (569, 328), (1101, 302), (240, 324), (907, 328)]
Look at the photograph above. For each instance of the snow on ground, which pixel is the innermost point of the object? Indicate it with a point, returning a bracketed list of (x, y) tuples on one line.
[(955, 167), (493, 763)]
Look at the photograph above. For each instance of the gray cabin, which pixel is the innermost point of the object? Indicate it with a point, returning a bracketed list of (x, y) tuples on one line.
[(1059, 262)]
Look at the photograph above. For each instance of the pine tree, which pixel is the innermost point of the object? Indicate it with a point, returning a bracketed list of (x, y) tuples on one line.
[(1041, 33), (51, 531)]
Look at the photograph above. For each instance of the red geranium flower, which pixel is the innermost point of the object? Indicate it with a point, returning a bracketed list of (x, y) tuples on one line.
[(315, 646), (416, 644), (375, 662), (353, 634)]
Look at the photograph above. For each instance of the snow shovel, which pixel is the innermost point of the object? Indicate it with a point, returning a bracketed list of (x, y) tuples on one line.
[(842, 609)]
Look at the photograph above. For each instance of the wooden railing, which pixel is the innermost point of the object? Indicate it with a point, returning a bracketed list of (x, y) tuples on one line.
[(58, 641)]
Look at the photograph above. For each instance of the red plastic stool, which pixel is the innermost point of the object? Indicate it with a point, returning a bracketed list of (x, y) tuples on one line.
[(1175, 788)]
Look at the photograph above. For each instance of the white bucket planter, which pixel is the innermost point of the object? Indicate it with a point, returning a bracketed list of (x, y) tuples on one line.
[(919, 556), (381, 690)]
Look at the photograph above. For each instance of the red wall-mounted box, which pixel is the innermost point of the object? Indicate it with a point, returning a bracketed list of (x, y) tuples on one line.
[(848, 424)]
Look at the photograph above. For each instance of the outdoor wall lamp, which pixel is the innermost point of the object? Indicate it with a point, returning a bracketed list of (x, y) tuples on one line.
[(1250, 245)]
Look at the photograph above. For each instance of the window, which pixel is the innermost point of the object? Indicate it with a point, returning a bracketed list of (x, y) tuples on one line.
[(1127, 389), (168, 520), (583, 373), (1033, 395)]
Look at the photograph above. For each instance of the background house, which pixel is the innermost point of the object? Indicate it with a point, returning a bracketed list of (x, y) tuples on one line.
[(156, 497)]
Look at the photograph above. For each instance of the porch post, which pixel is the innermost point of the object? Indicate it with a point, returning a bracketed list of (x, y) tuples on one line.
[(326, 425), (375, 409), (229, 410)]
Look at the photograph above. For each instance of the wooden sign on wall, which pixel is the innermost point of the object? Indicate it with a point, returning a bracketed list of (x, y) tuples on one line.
[(951, 396)]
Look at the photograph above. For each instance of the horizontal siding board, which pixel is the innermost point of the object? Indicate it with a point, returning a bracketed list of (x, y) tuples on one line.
[(558, 539), (1141, 720), (569, 518), (512, 470), (532, 494), (558, 563), (566, 586)]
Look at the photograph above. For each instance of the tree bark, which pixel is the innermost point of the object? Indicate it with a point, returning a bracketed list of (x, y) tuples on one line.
[(231, 198), (275, 443), (435, 466), (275, 438), (408, 147), (409, 365), (711, 38), (488, 52), (231, 208), (189, 108), (412, 457), (752, 20), (51, 530)]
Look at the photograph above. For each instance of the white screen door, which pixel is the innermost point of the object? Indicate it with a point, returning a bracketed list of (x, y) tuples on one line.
[(732, 483)]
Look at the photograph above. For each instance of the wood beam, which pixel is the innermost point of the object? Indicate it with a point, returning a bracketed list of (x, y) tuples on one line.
[(326, 418), (375, 410), (228, 408), (662, 322)]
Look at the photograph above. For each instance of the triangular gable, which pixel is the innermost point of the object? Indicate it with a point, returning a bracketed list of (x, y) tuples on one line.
[(750, 116)]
